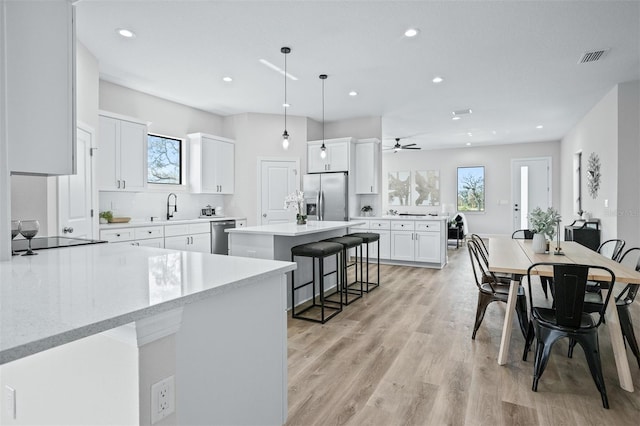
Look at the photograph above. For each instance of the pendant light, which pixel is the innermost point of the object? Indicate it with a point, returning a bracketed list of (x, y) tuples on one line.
[(323, 148), (285, 135)]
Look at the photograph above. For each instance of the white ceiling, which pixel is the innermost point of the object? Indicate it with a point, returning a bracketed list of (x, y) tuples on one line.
[(514, 63)]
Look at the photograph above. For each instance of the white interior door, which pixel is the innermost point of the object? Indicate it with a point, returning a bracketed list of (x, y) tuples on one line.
[(530, 188), (278, 178), (75, 193)]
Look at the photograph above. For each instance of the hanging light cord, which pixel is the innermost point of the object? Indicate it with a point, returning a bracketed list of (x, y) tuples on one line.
[(285, 91), (323, 109)]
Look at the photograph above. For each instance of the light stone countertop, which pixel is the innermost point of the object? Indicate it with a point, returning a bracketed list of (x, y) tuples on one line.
[(65, 294), (291, 229), (164, 222)]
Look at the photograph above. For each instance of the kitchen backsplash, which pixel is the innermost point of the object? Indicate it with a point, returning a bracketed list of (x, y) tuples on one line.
[(143, 205)]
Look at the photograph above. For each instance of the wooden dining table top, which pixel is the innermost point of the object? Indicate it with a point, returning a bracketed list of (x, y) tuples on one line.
[(515, 256)]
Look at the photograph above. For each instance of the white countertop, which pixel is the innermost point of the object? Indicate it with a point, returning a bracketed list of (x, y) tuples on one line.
[(164, 222), (398, 217), (291, 229), (65, 294)]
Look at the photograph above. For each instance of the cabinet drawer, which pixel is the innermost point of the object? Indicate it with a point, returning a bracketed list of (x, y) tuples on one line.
[(200, 228), (174, 230), (380, 224), (149, 232), (402, 225), (428, 226), (116, 235)]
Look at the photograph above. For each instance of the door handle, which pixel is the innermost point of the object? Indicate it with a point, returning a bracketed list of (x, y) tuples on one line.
[(67, 230)]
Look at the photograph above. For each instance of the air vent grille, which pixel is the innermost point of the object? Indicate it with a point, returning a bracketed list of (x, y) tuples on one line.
[(592, 56)]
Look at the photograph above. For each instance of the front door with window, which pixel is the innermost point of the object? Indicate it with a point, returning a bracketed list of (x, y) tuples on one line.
[(278, 178), (531, 188)]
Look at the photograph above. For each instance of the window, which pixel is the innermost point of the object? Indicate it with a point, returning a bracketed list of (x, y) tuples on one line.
[(164, 157), (471, 189)]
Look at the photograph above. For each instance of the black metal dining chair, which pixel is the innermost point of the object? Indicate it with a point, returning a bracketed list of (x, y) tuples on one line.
[(492, 289), (567, 319)]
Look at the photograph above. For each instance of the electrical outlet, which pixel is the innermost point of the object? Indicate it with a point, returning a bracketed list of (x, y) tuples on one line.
[(10, 401), (163, 399)]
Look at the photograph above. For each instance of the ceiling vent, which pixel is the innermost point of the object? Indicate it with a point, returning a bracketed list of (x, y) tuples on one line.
[(593, 56)]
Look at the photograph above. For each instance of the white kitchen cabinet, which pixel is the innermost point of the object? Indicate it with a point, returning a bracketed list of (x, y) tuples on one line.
[(385, 245), (39, 57), (211, 167), (149, 236), (122, 155), (367, 159), (241, 223), (402, 247), (189, 237), (336, 160)]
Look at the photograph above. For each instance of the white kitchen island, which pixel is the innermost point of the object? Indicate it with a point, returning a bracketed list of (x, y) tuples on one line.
[(275, 241), (85, 332)]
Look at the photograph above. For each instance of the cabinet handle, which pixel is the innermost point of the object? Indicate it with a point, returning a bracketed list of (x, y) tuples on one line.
[(372, 188), (118, 183), (149, 232), (117, 235), (191, 240), (124, 184)]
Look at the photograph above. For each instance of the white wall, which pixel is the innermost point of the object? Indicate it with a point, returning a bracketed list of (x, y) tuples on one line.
[(628, 161), (610, 130), (260, 135), (5, 184), (359, 128), (497, 219)]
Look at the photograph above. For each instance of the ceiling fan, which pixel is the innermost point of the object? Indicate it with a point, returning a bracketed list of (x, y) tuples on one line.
[(397, 147)]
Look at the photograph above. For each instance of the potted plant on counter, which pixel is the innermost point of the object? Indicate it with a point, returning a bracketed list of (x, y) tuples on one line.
[(105, 217), (366, 211), (543, 225)]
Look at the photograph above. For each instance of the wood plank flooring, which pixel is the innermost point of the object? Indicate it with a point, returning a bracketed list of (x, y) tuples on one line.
[(403, 355)]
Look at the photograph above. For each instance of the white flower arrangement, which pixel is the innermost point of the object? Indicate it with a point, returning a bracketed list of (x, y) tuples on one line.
[(295, 201)]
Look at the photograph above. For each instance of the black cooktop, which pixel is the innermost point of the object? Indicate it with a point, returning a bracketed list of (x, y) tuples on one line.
[(41, 243)]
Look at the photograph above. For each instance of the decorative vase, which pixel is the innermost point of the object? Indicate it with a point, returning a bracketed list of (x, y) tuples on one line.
[(301, 220), (103, 221), (539, 244)]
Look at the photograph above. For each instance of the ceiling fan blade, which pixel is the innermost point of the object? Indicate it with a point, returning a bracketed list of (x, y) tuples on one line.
[(412, 147), (407, 145)]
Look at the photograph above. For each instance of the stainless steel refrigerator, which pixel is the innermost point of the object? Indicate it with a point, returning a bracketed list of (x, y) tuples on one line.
[(326, 196)]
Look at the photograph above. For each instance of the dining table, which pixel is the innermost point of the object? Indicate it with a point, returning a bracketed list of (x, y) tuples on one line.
[(514, 257)]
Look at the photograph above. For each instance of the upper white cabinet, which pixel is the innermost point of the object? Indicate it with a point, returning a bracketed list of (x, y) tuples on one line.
[(211, 166), (367, 166), (40, 86), (122, 155), (336, 160)]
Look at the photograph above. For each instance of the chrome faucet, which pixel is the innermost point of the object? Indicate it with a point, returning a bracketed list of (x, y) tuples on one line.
[(175, 205)]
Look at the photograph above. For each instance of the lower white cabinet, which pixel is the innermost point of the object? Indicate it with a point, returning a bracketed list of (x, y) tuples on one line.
[(188, 237), (149, 236), (422, 242)]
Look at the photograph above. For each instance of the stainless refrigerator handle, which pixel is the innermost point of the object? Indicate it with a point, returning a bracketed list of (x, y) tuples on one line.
[(318, 205), (321, 214)]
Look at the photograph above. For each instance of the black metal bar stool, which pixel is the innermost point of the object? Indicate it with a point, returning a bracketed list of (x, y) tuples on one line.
[(368, 238), (317, 251), (347, 244)]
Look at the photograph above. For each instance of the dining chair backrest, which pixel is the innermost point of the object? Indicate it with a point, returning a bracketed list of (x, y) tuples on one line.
[(611, 248), (479, 265), (570, 283), (630, 258), (480, 242), (522, 234)]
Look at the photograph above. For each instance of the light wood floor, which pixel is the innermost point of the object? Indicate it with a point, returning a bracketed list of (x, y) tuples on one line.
[(403, 355)]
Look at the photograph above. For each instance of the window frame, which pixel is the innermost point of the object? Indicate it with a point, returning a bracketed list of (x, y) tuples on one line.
[(182, 186)]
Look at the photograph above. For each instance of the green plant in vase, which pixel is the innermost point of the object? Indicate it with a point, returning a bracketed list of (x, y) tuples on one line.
[(105, 216), (366, 210), (543, 224)]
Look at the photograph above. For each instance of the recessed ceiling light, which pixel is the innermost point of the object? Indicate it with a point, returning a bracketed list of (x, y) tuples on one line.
[(126, 33), (456, 117), (539, 126), (437, 80), (470, 134), (468, 143), (353, 93), (227, 79), (411, 32), (286, 105), (494, 132)]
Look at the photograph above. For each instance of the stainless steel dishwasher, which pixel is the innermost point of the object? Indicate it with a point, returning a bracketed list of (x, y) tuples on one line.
[(219, 238)]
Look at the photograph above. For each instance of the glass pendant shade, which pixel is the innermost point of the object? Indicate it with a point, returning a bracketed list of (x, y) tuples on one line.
[(323, 151), (285, 140)]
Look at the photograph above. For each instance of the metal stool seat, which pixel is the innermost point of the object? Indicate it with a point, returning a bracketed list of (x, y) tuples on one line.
[(317, 251), (347, 244), (368, 238)]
